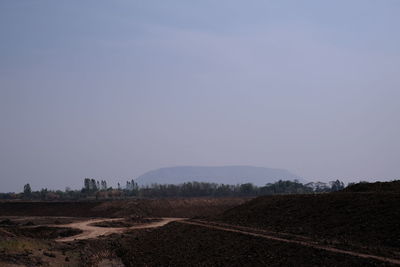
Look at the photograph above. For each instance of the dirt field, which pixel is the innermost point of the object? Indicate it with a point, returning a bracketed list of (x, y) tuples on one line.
[(36, 241), (91, 229), (30, 231), (340, 229), (368, 220), (382, 187), (189, 245), (174, 207)]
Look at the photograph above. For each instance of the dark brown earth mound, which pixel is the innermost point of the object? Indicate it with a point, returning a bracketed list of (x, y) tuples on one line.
[(127, 222), (367, 219), (72, 209), (177, 207), (42, 232), (36, 220), (393, 186), (39, 232), (187, 245)]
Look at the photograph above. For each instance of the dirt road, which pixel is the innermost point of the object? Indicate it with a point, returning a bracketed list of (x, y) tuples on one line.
[(268, 235), (91, 231)]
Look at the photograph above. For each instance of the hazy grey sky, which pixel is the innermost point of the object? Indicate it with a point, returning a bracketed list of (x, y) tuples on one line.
[(111, 89)]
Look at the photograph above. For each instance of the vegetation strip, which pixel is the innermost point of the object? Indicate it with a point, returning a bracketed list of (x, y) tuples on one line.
[(99, 190), (303, 243)]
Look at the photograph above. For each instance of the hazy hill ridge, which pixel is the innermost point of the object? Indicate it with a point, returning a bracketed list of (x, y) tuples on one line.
[(223, 175)]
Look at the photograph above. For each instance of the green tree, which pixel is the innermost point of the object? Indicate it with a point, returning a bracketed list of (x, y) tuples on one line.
[(337, 185), (27, 191)]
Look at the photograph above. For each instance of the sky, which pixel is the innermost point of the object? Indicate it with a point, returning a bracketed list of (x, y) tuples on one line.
[(112, 89)]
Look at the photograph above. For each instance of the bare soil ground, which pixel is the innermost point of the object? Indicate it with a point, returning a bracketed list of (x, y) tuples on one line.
[(288, 238), (36, 227), (170, 207), (126, 222), (370, 221), (179, 244), (37, 220), (382, 187), (76, 243), (340, 229), (34, 246), (89, 228)]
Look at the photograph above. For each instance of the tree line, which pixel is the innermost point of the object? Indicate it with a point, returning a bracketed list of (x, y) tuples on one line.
[(94, 189)]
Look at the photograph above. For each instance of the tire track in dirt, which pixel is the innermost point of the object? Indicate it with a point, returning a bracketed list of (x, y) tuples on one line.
[(225, 227)]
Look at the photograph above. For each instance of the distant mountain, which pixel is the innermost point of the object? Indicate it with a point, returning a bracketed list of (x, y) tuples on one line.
[(221, 175)]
